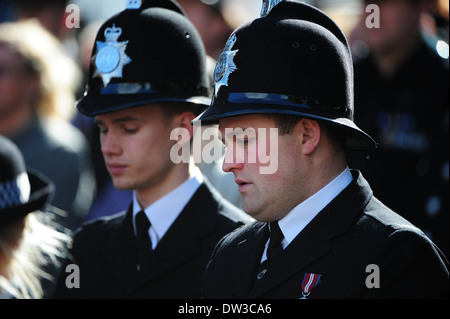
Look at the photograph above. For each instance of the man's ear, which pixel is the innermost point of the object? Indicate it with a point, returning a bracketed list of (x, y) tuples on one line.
[(183, 120), (309, 133)]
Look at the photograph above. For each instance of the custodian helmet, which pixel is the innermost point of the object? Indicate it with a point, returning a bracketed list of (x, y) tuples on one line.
[(21, 191), (148, 53), (295, 60)]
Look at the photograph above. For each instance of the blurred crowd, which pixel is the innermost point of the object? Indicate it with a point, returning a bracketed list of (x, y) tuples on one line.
[(401, 99)]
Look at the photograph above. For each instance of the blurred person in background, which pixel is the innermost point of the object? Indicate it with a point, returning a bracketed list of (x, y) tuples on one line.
[(401, 88), (435, 24), (206, 15), (53, 17), (51, 14), (28, 244), (36, 101)]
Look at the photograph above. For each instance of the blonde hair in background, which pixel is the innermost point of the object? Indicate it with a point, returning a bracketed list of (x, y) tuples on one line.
[(58, 74), (39, 244)]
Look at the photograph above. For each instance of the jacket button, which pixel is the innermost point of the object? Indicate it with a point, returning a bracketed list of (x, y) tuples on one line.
[(261, 274)]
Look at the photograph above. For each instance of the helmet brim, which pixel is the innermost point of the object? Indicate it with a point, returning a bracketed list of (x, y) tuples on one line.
[(356, 139), (41, 192), (93, 105)]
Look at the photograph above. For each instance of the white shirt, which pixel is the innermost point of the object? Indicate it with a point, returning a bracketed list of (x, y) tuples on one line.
[(296, 220), (165, 210)]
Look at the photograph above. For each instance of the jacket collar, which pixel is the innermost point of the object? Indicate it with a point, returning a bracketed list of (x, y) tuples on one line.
[(191, 224), (335, 219)]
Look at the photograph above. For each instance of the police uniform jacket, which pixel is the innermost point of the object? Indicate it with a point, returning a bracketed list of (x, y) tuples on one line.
[(342, 244), (104, 251)]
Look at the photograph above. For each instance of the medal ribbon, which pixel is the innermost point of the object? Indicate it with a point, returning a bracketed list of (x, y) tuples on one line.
[(309, 282)]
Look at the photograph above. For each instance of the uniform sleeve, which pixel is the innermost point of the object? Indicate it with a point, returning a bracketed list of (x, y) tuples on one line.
[(412, 267)]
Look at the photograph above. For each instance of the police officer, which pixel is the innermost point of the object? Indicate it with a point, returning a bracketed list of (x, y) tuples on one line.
[(148, 78), (320, 232)]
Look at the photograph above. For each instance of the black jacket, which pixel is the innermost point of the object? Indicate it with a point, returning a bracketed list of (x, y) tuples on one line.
[(104, 251), (354, 231)]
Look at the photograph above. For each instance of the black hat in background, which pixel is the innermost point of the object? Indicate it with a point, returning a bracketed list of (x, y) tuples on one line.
[(149, 53), (294, 60), (21, 192)]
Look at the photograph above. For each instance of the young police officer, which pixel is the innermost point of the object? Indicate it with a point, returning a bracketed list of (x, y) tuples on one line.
[(148, 77), (320, 231)]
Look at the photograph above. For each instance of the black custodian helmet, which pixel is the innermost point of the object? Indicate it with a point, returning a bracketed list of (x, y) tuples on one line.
[(21, 191), (293, 60), (149, 53)]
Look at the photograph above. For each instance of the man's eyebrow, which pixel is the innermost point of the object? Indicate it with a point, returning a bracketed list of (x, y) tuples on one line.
[(128, 119)]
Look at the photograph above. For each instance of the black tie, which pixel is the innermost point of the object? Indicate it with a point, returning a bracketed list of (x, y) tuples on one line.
[(273, 250), (276, 236), (143, 241)]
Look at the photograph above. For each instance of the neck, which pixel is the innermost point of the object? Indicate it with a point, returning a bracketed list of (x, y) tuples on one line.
[(177, 176), (324, 169)]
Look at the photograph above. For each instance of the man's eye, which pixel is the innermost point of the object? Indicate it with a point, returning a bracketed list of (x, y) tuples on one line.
[(130, 130)]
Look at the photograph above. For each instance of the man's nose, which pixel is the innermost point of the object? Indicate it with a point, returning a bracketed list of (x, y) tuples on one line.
[(109, 145), (231, 160)]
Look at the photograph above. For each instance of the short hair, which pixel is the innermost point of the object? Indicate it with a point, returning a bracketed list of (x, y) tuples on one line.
[(171, 109), (286, 123)]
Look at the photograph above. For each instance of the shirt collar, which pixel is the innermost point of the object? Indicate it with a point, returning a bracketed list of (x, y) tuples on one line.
[(165, 210), (297, 219)]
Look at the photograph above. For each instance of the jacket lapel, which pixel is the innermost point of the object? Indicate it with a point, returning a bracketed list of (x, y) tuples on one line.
[(314, 241), (179, 244), (119, 250), (249, 250)]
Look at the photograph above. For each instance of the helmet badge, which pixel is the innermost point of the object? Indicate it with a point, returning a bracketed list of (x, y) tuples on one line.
[(111, 57), (134, 4), (225, 65), (268, 5)]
